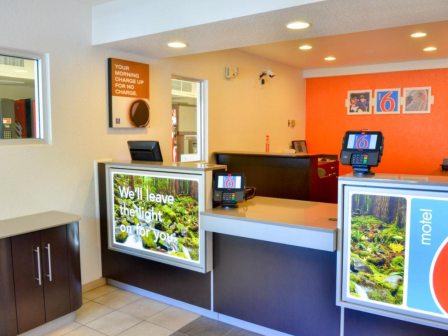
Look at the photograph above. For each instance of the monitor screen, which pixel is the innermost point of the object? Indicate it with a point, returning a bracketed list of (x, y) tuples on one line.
[(145, 151), (362, 141), (234, 182)]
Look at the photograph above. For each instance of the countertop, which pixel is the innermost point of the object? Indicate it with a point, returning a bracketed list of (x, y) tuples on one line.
[(41, 221), (186, 166), (290, 155), (292, 222), (420, 180)]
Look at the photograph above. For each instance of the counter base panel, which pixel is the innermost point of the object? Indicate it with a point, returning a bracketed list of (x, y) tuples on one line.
[(286, 288), (360, 323), (178, 283)]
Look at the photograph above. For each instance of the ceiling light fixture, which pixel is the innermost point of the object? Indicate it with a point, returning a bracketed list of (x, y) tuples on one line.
[(21, 71), (430, 49), (418, 35), (177, 45), (330, 58), (305, 47), (298, 25)]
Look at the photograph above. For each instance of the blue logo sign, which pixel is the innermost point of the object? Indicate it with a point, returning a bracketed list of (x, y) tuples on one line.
[(387, 101)]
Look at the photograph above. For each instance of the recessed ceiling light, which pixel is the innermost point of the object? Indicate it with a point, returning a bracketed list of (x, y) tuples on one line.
[(305, 47), (177, 45), (330, 58), (430, 49), (418, 35), (298, 25)]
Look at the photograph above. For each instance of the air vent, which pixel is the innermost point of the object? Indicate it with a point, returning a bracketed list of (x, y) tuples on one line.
[(183, 88), (18, 62)]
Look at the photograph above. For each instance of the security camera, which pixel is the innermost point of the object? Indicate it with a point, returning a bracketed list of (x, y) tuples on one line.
[(271, 74)]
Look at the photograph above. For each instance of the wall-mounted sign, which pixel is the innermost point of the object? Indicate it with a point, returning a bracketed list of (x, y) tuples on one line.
[(359, 102), (156, 216), (387, 101), (396, 251), (128, 94)]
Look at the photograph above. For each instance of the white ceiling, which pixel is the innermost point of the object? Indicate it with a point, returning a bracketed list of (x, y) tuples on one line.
[(328, 18), (371, 47), (94, 2)]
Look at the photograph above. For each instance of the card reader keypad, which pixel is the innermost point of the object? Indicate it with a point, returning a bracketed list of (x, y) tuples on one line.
[(228, 197), (359, 158), (7, 135)]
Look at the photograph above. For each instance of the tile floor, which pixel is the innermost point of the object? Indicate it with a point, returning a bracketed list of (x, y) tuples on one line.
[(108, 310)]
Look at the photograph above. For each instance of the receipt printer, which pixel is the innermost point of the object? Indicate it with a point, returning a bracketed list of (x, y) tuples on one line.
[(229, 189)]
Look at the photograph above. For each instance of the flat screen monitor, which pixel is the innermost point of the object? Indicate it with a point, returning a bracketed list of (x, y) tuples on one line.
[(145, 151)]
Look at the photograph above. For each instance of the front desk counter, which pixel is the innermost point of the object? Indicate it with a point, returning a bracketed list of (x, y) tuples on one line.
[(273, 260)]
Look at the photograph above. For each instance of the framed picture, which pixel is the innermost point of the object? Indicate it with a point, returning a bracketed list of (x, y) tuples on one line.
[(417, 100), (387, 101), (359, 102), (300, 146)]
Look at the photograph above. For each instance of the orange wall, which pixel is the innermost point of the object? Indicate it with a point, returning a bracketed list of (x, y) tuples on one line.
[(414, 143)]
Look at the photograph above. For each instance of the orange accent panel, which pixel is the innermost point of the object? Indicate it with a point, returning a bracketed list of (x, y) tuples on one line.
[(440, 278), (414, 143)]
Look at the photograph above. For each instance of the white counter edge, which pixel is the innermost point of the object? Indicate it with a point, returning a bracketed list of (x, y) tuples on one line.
[(300, 236), (41, 221)]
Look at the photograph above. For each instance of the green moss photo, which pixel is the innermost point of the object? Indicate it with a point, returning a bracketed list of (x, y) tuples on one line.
[(157, 214), (377, 260)]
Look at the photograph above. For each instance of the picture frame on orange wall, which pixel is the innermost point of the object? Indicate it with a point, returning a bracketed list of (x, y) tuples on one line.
[(387, 101), (359, 102), (417, 100)]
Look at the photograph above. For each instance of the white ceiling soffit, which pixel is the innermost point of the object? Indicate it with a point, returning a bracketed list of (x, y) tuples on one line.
[(363, 48), (330, 17), (124, 19)]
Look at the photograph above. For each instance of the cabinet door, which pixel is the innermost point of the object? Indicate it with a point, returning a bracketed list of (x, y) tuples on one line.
[(55, 272), (8, 320), (28, 281), (74, 266)]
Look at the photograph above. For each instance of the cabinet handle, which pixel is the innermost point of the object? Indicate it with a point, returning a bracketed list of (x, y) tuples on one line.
[(333, 167), (39, 274), (49, 275)]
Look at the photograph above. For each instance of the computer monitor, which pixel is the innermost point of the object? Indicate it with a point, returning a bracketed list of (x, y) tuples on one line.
[(145, 151)]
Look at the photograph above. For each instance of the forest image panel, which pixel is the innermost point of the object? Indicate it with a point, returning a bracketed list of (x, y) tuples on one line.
[(377, 246), (157, 215)]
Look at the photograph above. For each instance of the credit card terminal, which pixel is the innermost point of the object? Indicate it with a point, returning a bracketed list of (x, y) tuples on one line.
[(229, 189), (362, 150)]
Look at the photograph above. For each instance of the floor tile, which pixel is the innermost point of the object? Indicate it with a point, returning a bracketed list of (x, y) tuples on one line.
[(117, 299), (84, 300), (147, 329), (84, 331), (173, 318), (100, 291), (90, 312), (241, 332), (144, 308), (205, 326), (65, 329), (114, 323)]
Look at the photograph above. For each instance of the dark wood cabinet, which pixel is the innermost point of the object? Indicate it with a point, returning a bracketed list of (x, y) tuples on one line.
[(55, 272), (8, 319), (26, 253), (40, 278)]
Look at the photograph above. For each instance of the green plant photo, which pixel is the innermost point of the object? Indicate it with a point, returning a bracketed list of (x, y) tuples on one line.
[(377, 246), (157, 215)]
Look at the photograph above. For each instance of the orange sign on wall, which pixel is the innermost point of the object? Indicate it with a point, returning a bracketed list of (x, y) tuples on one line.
[(128, 94)]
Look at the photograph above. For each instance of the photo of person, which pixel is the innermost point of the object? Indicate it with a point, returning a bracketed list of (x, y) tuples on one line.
[(359, 102), (417, 100)]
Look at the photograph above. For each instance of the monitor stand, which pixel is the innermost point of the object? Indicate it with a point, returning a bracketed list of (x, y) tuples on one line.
[(362, 171)]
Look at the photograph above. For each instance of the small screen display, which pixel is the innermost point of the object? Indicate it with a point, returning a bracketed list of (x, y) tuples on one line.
[(362, 141), (229, 182)]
